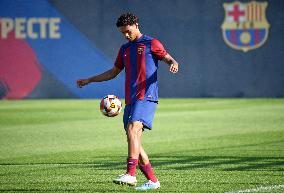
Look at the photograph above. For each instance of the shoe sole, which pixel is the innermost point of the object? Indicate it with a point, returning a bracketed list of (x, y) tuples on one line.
[(124, 183), (148, 189)]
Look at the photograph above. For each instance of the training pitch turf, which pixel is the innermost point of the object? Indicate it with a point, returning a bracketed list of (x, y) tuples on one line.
[(197, 145)]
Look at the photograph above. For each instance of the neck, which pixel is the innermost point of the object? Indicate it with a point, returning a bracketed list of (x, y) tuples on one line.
[(138, 36)]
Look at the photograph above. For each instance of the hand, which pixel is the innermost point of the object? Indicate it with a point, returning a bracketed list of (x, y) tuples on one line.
[(173, 68), (173, 65), (82, 82)]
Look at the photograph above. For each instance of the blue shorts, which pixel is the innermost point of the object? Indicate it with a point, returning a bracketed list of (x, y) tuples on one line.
[(142, 111)]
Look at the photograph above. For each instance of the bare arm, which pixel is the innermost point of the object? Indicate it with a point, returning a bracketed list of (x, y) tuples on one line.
[(173, 65), (107, 75)]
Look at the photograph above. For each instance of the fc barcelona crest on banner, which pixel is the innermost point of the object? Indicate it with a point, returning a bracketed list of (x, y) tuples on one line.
[(245, 26)]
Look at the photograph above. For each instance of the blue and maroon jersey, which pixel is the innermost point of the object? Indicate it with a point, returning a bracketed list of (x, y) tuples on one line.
[(140, 60)]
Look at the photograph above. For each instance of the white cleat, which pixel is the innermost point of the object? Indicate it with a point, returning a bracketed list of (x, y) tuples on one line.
[(149, 186), (126, 179)]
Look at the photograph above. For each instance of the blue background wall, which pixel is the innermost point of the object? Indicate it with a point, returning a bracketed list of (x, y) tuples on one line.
[(189, 29)]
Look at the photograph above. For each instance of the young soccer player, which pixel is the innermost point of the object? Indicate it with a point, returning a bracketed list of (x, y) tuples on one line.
[(139, 57)]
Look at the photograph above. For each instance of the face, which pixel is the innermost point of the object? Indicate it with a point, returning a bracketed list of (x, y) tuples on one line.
[(130, 32)]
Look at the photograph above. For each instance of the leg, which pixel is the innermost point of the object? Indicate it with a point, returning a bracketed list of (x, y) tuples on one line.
[(144, 164), (133, 132), (143, 157), (147, 170), (134, 143)]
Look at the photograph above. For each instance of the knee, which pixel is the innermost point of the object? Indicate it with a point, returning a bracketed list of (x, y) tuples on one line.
[(134, 128)]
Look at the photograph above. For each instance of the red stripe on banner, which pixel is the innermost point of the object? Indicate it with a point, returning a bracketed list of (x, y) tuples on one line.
[(20, 70), (128, 75), (256, 37), (141, 71), (234, 37)]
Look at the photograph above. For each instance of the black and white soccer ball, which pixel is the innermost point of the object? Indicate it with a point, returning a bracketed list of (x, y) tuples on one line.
[(110, 106)]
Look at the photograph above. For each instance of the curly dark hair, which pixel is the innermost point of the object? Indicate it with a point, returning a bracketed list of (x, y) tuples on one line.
[(126, 19)]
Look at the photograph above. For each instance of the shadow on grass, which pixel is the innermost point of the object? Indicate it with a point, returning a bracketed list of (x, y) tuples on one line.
[(175, 161), (225, 163), (53, 190)]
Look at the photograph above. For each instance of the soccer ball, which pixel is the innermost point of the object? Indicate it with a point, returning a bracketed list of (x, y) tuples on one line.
[(110, 106)]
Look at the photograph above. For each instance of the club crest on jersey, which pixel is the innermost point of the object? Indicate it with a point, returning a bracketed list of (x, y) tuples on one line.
[(245, 26), (140, 50)]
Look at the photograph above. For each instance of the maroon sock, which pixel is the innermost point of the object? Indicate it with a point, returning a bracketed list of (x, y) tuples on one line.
[(131, 166), (147, 170)]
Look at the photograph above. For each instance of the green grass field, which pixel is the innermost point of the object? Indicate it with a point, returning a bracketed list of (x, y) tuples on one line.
[(197, 145)]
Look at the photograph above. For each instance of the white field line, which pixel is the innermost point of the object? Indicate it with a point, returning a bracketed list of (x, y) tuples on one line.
[(261, 188)]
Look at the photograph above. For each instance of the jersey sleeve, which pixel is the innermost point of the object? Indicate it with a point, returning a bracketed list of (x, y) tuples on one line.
[(118, 62), (158, 49)]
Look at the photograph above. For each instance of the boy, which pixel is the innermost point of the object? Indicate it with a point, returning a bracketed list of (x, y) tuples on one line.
[(140, 58)]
